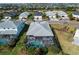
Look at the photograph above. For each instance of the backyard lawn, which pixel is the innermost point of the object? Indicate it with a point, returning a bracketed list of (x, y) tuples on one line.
[(65, 39), (20, 46), (52, 50), (5, 50)]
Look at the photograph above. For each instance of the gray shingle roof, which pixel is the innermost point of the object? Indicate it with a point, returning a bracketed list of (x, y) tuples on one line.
[(50, 13), (39, 29), (8, 27), (38, 13), (61, 13), (7, 24), (24, 14), (76, 13)]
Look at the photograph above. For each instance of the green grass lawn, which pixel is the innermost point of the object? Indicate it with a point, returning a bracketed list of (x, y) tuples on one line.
[(52, 50), (19, 46), (65, 39), (4, 50)]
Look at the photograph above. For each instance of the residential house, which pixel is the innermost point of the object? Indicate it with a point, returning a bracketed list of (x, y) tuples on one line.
[(52, 15), (6, 18), (23, 16), (39, 34), (10, 30), (38, 16), (75, 15), (11, 14), (63, 15)]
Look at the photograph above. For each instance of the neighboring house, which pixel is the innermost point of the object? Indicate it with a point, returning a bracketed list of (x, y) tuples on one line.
[(6, 18), (51, 15), (9, 31), (76, 37), (75, 15), (38, 16), (39, 34), (23, 16), (62, 14), (56, 15), (11, 14)]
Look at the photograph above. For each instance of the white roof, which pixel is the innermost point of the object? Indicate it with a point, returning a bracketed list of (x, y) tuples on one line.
[(39, 29), (50, 13), (23, 15), (62, 13)]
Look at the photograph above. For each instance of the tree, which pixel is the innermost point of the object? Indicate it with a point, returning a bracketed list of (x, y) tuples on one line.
[(70, 8), (23, 8), (1, 16), (71, 17), (42, 51)]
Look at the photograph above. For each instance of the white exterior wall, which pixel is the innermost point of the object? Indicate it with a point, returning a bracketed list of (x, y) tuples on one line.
[(7, 17), (63, 15), (76, 33), (38, 18), (22, 17), (50, 16), (9, 31), (76, 37), (23, 20), (53, 18)]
